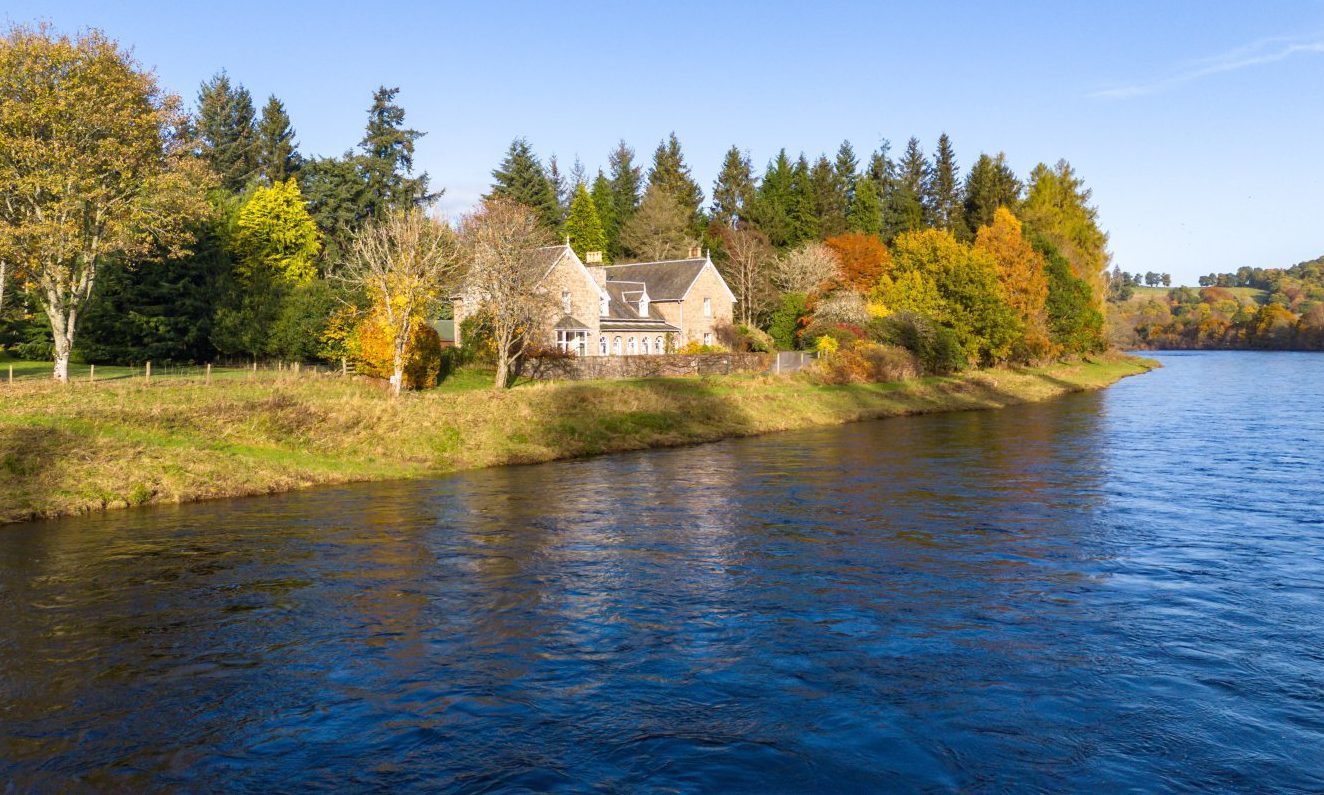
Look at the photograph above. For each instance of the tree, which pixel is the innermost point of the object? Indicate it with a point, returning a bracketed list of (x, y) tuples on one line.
[(226, 133), (336, 193), (95, 169), (864, 260), (904, 209), (803, 218), (582, 224), (866, 209), (733, 192), (658, 230), (404, 263), (277, 154), (806, 269), (387, 159), (606, 207), (844, 170), (829, 197), (990, 184), (746, 268), (275, 232), (520, 178), (672, 176), (560, 187), (1021, 274), (507, 283), (773, 200), (945, 188), (1074, 320), (788, 320), (626, 179), (1058, 206)]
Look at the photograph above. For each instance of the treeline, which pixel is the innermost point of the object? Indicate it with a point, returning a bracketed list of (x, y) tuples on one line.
[(1289, 314), (984, 265)]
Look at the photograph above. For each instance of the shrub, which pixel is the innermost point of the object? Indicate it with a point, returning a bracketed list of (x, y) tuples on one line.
[(371, 351), (864, 363), (694, 347), (934, 346), (744, 338), (787, 321)]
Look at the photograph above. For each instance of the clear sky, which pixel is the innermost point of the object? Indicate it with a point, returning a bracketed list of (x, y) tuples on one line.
[(1199, 125)]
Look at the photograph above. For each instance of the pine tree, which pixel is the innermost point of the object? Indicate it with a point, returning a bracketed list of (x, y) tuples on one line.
[(387, 158), (225, 128), (626, 180), (804, 222), (672, 176), (582, 224), (659, 229), (334, 188), (772, 204), (829, 198), (521, 179), (844, 169), (603, 201), (866, 212), (733, 192), (990, 184), (560, 188), (904, 208), (578, 176), (944, 194), (277, 154)]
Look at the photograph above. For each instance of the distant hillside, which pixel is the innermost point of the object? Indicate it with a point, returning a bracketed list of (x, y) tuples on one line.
[(1259, 308)]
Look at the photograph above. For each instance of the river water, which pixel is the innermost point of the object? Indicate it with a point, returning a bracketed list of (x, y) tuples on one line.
[(1113, 591)]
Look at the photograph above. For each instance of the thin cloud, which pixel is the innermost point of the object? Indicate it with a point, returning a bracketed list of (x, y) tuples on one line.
[(1255, 54)]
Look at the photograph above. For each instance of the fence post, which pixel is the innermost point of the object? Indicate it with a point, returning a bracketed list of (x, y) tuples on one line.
[(253, 377), (91, 373), (344, 366), (209, 372), (11, 373), (147, 374)]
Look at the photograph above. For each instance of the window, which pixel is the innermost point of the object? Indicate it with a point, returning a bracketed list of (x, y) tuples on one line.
[(616, 346), (565, 302), (602, 304), (643, 305), (644, 346), (633, 348), (572, 341), (658, 344), (602, 345), (707, 307), (707, 339), (581, 340)]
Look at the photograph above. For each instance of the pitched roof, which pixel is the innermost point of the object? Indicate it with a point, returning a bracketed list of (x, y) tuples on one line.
[(569, 323), (622, 298), (667, 281), (546, 256)]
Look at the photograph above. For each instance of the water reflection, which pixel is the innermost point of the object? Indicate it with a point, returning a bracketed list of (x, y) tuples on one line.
[(1049, 597)]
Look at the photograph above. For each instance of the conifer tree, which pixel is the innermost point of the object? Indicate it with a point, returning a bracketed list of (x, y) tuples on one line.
[(904, 208), (945, 188), (659, 229), (560, 188), (626, 179), (603, 201), (277, 154), (582, 224), (1057, 206), (521, 179), (387, 159), (225, 129), (670, 174), (845, 169), (866, 212), (733, 192), (804, 221), (830, 198), (990, 184)]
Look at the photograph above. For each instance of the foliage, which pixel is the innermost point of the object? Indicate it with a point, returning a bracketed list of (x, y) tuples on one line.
[(1057, 205), (695, 347), (1024, 284), (373, 352), (733, 193), (862, 363), (671, 176), (658, 230), (934, 346), (990, 184), (788, 320), (387, 159), (863, 259), (275, 232), (582, 224), (1074, 320), (277, 154), (806, 269), (944, 194), (520, 178), (226, 133)]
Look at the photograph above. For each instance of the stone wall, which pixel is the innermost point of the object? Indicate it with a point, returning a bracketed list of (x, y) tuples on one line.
[(575, 368)]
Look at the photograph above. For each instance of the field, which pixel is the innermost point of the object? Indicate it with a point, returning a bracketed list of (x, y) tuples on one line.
[(1143, 294), (68, 449)]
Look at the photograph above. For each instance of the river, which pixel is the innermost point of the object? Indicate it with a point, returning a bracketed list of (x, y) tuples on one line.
[(1121, 590)]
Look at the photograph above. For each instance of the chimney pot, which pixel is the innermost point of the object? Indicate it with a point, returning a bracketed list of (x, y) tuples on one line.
[(592, 257), (694, 252)]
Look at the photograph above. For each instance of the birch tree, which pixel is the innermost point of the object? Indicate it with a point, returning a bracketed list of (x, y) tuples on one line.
[(405, 263), (95, 169), (749, 258), (806, 269), (505, 280)]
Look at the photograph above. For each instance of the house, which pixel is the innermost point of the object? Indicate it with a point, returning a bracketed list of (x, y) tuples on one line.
[(638, 308)]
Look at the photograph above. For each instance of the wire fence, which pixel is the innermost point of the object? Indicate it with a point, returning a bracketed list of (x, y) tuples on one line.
[(27, 372)]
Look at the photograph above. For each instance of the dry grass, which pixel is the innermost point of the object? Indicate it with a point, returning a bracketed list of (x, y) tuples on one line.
[(72, 449)]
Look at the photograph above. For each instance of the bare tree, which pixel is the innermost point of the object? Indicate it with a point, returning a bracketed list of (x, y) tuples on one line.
[(405, 263), (505, 279), (806, 269), (659, 229), (4, 273), (748, 261)]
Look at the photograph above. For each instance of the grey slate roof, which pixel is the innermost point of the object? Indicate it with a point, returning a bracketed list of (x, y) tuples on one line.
[(547, 255), (667, 281), (568, 323), (622, 297)]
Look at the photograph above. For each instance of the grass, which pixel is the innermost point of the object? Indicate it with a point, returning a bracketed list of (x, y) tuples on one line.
[(1142, 294), (83, 447)]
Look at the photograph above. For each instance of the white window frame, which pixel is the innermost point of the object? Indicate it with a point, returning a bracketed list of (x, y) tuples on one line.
[(707, 339), (566, 305), (707, 307), (632, 346), (604, 301), (602, 345), (660, 346), (616, 345), (643, 345)]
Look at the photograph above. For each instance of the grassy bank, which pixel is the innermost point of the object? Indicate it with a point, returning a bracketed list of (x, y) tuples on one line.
[(83, 447)]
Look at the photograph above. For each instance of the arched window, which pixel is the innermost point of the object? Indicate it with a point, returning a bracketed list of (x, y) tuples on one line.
[(603, 300), (645, 346), (616, 346), (602, 345), (633, 347), (660, 348)]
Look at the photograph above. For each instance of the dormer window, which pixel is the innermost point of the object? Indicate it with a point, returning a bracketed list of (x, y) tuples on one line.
[(643, 304), (603, 300)]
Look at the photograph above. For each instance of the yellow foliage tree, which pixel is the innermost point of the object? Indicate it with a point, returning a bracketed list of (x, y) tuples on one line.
[(1021, 274), (372, 346)]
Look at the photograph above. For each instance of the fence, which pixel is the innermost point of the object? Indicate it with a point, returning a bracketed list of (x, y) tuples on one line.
[(147, 373), (577, 368)]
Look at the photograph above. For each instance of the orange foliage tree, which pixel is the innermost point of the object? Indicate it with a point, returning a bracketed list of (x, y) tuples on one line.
[(1022, 276), (864, 259)]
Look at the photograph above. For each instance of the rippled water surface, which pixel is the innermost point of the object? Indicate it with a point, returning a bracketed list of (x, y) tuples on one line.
[(1121, 590)]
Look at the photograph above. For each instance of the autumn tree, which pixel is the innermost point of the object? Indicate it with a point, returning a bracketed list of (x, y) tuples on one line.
[(990, 184), (582, 224), (1021, 274), (1057, 205), (95, 168), (746, 266), (504, 281), (659, 229), (863, 259), (405, 263), (806, 269)]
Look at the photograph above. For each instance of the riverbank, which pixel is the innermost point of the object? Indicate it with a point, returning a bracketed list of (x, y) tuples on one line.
[(83, 447)]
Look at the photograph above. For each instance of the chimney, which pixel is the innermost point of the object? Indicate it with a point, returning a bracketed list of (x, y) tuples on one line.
[(592, 257), (695, 252)]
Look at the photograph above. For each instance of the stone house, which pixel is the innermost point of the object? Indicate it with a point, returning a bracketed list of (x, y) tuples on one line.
[(638, 308)]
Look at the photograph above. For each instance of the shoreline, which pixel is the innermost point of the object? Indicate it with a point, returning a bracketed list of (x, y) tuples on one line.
[(74, 451)]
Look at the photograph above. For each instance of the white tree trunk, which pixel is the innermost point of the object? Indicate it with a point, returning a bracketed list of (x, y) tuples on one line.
[(4, 271), (62, 346)]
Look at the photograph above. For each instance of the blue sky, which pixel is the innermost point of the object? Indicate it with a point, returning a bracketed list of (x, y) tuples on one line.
[(1197, 124)]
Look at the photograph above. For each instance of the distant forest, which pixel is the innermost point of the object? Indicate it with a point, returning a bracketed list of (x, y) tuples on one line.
[(1253, 308)]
